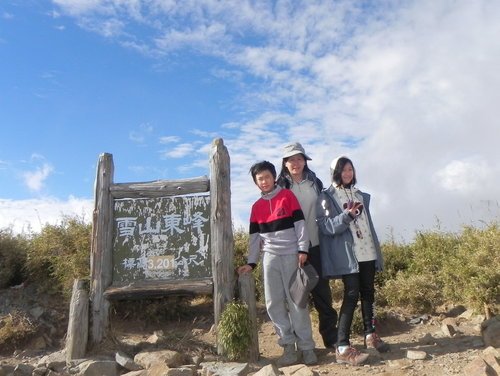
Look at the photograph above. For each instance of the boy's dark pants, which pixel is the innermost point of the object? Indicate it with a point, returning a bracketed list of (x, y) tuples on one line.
[(322, 300)]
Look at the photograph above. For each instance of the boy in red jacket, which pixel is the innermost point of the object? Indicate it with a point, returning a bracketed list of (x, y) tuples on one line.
[(277, 228)]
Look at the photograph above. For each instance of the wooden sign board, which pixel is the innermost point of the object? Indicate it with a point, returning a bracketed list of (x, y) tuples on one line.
[(161, 239)]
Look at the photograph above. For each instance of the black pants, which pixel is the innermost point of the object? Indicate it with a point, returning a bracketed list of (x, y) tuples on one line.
[(358, 285), (322, 300)]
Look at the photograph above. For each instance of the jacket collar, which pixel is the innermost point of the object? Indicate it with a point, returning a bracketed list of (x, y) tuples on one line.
[(286, 180), (272, 194)]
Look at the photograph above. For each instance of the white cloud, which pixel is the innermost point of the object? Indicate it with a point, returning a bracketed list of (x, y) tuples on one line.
[(111, 28), (140, 136), (179, 151), (35, 180), (169, 139), (24, 216), (416, 98), (230, 125), (204, 134), (409, 91), (82, 7), (200, 37), (464, 177)]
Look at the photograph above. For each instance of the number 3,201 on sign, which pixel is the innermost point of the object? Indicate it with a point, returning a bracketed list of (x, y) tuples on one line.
[(161, 263)]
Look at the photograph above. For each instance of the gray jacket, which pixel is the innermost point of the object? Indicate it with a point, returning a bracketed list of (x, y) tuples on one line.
[(336, 239)]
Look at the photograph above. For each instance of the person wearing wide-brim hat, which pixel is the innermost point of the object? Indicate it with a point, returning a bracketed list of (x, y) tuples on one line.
[(297, 176)]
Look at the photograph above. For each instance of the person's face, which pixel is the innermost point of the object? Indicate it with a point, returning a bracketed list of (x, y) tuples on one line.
[(265, 181), (295, 165), (347, 174)]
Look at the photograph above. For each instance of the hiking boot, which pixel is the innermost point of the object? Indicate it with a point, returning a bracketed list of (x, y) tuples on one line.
[(309, 357), (289, 356), (351, 356), (373, 341)]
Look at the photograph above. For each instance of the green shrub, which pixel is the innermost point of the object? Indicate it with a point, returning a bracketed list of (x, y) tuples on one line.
[(472, 275), (397, 258), (431, 251), (234, 330), (240, 247), (438, 267), (59, 254), (357, 321), (417, 293), (12, 258), (337, 288), (240, 258)]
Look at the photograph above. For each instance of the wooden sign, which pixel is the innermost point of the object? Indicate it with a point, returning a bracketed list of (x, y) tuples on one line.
[(161, 239)]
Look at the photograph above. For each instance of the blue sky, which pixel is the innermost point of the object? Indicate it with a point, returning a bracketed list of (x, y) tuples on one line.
[(408, 89)]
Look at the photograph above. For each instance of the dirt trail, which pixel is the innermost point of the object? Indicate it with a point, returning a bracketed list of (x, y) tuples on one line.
[(192, 334), (445, 355)]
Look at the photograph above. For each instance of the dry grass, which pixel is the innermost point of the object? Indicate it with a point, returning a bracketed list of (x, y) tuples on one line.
[(15, 330)]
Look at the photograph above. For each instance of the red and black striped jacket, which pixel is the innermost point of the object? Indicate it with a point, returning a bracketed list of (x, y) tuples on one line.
[(277, 225)]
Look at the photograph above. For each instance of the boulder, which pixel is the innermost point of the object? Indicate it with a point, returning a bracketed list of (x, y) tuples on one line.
[(490, 330)]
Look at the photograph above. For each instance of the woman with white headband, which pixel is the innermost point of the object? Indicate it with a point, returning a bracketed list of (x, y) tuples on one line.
[(350, 251)]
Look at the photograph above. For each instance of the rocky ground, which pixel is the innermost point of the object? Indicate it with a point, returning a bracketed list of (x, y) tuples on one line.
[(449, 343)]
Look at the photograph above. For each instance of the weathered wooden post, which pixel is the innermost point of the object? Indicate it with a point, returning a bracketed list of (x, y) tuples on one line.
[(222, 242), (246, 288), (78, 325), (101, 255), (103, 287)]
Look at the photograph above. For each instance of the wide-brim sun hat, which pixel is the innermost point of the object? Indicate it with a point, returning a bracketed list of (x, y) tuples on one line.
[(294, 148), (301, 283)]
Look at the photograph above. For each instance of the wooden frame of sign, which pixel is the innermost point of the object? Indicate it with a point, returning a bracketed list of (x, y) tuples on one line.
[(142, 247)]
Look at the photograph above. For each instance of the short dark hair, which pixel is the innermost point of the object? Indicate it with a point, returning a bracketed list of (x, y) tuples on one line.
[(337, 171), (259, 167)]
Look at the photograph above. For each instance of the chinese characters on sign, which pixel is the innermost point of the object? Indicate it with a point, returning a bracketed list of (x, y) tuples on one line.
[(161, 239)]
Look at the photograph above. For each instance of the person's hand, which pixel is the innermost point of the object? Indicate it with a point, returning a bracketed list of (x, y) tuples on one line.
[(244, 269), (355, 209), (302, 259)]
